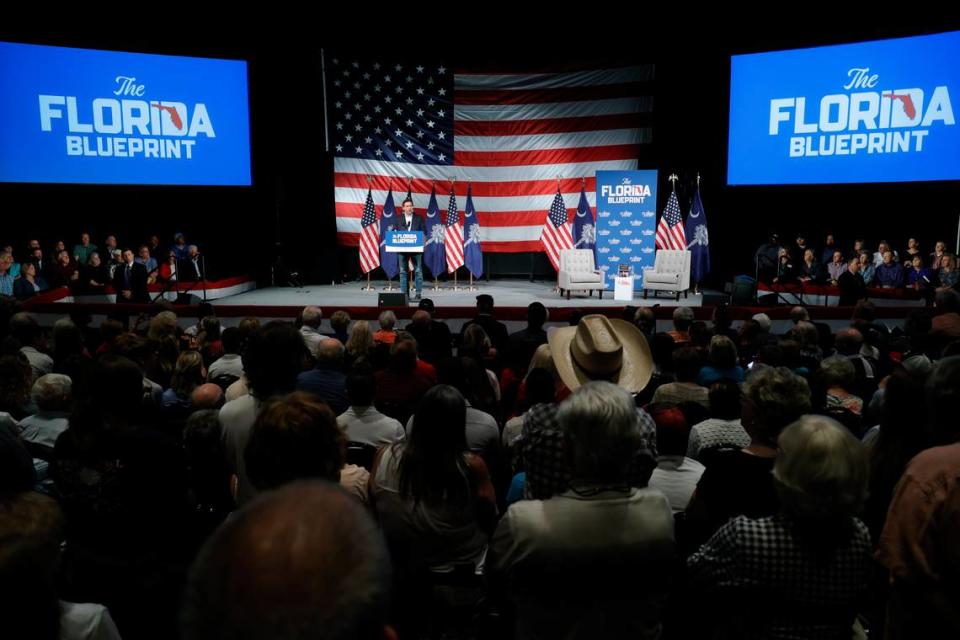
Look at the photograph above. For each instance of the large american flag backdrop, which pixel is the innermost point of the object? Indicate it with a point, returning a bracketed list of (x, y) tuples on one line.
[(509, 135)]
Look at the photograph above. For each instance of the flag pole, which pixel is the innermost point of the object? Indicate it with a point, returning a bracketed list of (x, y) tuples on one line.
[(958, 234), (436, 279), (696, 285), (323, 83), (368, 287), (556, 288), (389, 286), (471, 288), (453, 184)]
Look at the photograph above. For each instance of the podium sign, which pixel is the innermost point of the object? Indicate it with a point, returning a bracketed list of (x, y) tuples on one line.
[(404, 241)]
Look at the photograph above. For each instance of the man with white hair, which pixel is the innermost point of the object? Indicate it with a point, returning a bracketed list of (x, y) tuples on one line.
[(311, 317), (572, 562), (763, 321), (193, 268), (52, 395)]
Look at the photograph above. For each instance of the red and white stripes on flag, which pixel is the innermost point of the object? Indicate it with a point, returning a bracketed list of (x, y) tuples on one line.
[(453, 235), (369, 237), (514, 133), (556, 235), (670, 232)]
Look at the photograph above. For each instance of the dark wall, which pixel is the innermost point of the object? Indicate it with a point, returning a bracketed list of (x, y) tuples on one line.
[(291, 202)]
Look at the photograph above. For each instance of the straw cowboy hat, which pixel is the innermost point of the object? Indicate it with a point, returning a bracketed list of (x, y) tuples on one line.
[(600, 348)]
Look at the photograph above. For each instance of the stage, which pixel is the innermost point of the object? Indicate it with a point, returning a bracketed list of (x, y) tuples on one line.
[(507, 294), (239, 297), (511, 298)]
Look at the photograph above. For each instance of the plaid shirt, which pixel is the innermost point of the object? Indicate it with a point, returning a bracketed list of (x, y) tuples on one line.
[(802, 594), (6, 284), (541, 450)]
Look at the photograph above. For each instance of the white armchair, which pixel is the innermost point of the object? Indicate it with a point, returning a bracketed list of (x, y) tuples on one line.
[(671, 272), (578, 273)]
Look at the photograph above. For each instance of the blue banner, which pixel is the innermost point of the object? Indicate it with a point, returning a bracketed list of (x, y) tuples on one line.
[(404, 241), (388, 222), (472, 249), (698, 240), (87, 116), (868, 112), (626, 222), (584, 226), (433, 250)]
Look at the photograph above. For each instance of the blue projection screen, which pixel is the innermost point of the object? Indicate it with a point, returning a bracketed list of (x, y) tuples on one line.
[(869, 112), (105, 117)]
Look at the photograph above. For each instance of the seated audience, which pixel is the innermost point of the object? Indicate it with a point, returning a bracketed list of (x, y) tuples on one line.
[(29, 283), (32, 529), (805, 568), (326, 381), (686, 366), (296, 437), (571, 563), (320, 577), (676, 475), (52, 396), (723, 428), (361, 422), (387, 334), (889, 273), (721, 363), (738, 481), (433, 497)]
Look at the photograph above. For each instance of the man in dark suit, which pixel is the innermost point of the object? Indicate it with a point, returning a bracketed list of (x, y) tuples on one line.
[(409, 221), (852, 288), (434, 343), (191, 268), (130, 280), (524, 343), (497, 331)]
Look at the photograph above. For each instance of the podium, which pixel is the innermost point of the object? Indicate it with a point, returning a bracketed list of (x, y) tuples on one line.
[(623, 288), (404, 241), (401, 241)]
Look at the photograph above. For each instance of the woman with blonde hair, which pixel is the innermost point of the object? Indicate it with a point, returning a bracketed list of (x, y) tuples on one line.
[(359, 345), (188, 374)]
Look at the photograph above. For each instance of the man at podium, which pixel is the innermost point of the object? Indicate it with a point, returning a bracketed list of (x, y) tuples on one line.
[(409, 221)]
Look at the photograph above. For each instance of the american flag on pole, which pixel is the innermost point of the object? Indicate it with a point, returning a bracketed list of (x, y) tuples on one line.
[(556, 235), (369, 237), (670, 233), (509, 134), (453, 237)]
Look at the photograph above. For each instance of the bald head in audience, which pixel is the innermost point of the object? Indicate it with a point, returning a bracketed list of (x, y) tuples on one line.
[(282, 568), (848, 341), (312, 316), (330, 353), (207, 396), (799, 314), (421, 318)]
